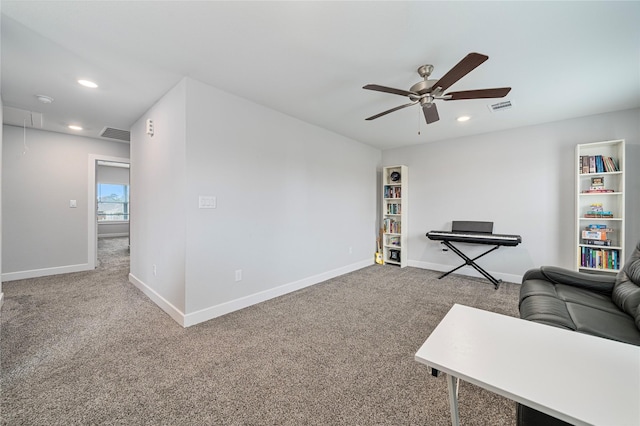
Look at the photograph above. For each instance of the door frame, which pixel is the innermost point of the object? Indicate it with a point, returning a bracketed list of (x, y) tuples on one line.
[(92, 243)]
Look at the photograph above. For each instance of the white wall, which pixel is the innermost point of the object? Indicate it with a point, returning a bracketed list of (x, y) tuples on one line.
[(113, 174), (157, 203), (41, 234), (521, 179), (1, 120), (1, 137), (107, 229), (296, 204), (292, 199)]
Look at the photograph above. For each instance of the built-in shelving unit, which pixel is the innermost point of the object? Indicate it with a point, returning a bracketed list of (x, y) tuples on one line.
[(600, 206), (394, 215)]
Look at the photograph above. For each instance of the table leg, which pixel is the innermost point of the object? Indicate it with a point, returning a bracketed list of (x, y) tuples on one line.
[(452, 382)]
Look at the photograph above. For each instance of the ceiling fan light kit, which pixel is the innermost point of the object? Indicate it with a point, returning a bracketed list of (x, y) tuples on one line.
[(427, 91)]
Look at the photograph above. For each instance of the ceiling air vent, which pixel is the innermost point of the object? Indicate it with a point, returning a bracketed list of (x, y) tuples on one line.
[(118, 134), (501, 106)]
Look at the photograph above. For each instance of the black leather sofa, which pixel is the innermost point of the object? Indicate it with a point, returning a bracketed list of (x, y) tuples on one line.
[(606, 306)]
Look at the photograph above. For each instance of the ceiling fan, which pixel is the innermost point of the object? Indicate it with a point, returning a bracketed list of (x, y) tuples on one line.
[(427, 91)]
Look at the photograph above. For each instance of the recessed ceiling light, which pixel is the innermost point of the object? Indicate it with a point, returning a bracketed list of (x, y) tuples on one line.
[(87, 83), (74, 127), (464, 118)]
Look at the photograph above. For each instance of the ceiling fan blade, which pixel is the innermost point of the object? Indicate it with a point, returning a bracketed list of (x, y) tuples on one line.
[(385, 89), (478, 94), (462, 68), (430, 113), (373, 117)]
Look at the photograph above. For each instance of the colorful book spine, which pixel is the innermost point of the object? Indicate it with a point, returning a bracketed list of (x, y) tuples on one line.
[(599, 258), (391, 226), (597, 164), (594, 235)]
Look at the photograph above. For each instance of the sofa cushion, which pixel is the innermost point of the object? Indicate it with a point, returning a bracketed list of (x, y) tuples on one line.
[(546, 310), (593, 282), (597, 322), (576, 309), (571, 294), (626, 290), (566, 293)]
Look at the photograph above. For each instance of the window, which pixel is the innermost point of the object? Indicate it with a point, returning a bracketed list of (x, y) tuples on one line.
[(113, 202)]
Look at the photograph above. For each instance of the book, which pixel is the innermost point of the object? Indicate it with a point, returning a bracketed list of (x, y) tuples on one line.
[(598, 242), (599, 229), (393, 208), (597, 164), (391, 226), (583, 165), (590, 215), (594, 235), (596, 191), (596, 210), (616, 167), (595, 226), (608, 165), (599, 258), (392, 192)]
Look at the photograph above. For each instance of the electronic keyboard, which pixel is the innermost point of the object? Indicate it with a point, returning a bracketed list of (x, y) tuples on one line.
[(475, 238), (473, 232)]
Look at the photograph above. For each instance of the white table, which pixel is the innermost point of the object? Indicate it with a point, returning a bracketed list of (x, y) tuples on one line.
[(581, 379)]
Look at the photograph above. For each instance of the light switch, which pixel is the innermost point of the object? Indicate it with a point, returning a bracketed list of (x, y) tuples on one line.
[(73, 204), (207, 202)]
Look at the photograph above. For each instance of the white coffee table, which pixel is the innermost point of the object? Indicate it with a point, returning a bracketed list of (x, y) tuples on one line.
[(581, 379)]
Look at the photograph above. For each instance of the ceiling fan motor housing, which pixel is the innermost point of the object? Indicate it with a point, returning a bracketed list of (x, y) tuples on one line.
[(423, 87)]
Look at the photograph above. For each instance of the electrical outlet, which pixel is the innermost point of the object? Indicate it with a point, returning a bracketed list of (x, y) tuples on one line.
[(238, 274), (155, 270), (350, 250)]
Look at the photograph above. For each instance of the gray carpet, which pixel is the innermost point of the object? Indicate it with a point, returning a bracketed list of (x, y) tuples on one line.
[(88, 348)]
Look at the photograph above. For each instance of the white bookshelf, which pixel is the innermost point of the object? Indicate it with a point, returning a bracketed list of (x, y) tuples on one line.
[(600, 204), (395, 189)]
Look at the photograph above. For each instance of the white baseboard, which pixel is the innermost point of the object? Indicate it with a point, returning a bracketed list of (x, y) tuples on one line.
[(163, 303), (35, 273), (114, 234), (243, 302), (469, 272)]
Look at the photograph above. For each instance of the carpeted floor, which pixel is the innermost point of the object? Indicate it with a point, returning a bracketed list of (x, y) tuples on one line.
[(88, 348)]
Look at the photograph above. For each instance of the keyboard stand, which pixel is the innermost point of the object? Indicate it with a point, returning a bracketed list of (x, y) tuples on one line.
[(472, 263)]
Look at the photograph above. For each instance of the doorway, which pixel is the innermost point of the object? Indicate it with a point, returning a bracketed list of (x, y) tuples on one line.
[(112, 206), (112, 209)]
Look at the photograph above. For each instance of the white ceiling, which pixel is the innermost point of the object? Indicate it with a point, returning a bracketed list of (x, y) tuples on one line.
[(311, 59)]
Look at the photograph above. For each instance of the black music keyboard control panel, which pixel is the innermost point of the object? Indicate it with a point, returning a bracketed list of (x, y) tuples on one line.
[(475, 238)]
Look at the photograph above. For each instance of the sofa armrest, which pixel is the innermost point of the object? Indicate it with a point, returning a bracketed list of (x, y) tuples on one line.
[(593, 282)]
